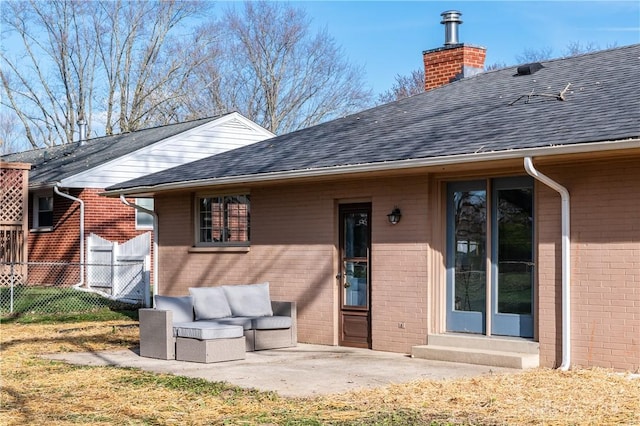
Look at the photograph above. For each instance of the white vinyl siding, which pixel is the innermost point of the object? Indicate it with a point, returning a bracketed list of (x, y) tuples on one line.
[(229, 132)]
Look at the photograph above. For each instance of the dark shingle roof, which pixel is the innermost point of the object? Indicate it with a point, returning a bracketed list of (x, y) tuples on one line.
[(489, 112), (50, 165)]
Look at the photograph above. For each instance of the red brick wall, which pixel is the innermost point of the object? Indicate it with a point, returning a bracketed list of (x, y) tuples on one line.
[(605, 288), (443, 65), (293, 246), (106, 217)]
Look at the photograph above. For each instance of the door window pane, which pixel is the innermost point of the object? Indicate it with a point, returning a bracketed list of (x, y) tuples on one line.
[(355, 286), (515, 250), (356, 235), (470, 217)]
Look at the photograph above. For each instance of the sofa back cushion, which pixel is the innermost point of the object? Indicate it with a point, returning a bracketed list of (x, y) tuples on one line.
[(182, 307), (210, 303), (250, 300)]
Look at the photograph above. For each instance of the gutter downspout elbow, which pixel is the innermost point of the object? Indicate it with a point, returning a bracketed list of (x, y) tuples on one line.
[(56, 189), (566, 258), (155, 241)]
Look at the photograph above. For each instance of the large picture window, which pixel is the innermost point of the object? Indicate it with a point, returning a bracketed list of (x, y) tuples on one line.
[(223, 220)]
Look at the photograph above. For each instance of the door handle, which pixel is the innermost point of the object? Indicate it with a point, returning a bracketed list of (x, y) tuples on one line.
[(339, 276), (347, 284)]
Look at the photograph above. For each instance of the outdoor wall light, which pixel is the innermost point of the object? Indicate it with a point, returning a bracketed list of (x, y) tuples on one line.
[(394, 216)]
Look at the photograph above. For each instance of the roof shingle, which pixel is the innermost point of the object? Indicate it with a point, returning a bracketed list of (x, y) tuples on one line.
[(52, 164), (493, 111)]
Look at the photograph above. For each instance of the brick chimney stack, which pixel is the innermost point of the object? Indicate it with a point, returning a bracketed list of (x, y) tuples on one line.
[(454, 60)]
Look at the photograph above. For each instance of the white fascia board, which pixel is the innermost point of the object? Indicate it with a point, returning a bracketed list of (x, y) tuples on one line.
[(76, 181), (387, 166)]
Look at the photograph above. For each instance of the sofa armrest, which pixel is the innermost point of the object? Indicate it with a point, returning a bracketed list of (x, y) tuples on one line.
[(156, 334), (287, 309), (283, 309)]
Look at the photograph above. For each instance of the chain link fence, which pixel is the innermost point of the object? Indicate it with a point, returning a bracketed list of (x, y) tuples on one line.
[(57, 287)]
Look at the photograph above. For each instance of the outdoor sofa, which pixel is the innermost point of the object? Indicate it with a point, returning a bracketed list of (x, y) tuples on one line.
[(214, 324)]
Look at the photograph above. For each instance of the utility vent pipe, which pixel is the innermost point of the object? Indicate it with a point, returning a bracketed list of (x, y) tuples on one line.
[(451, 20), (82, 128)]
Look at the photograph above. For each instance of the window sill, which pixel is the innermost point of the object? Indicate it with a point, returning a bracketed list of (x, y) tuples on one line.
[(44, 229), (220, 249)]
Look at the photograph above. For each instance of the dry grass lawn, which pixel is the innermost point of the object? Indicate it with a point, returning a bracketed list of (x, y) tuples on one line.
[(36, 391)]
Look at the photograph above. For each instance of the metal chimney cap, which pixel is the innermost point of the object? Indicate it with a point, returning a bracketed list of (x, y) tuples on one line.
[(451, 15), (451, 20)]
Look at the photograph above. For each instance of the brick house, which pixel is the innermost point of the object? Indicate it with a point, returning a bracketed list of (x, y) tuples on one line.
[(65, 182), (494, 219)]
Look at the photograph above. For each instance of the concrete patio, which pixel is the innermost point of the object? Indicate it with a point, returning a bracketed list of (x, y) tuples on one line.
[(302, 371)]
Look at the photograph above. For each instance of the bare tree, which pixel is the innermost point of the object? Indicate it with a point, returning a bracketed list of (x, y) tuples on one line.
[(495, 66), (9, 134), (125, 65), (279, 74), (529, 55), (578, 48), (143, 71), (105, 61), (198, 93), (47, 94), (404, 86), (545, 53)]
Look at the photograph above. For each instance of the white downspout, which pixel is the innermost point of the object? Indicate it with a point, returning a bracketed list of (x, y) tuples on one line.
[(155, 241), (566, 259), (56, 189)]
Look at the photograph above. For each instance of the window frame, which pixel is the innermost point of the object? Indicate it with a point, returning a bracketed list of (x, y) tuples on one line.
[(490, 320), (139, 214), (221, 243), (36, 211)]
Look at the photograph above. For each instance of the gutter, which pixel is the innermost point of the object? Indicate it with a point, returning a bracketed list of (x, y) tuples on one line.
[(56, 189), (631, 143), (566, 259), (155, 243)]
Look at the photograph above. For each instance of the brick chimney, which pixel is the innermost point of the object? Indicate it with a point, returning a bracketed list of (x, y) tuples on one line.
[(454, 60)]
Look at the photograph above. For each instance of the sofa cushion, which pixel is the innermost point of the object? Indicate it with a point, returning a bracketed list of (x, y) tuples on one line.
[(271, 323), (210, 303), (245, 322), (182, 307), (207, 330), (251, 300)]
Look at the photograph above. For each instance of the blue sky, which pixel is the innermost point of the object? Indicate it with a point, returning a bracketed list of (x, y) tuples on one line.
[(388, 37)]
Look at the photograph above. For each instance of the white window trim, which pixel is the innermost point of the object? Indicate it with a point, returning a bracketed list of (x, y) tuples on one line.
[(35, 212)]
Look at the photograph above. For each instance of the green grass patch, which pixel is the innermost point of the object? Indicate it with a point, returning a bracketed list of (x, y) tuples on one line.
[(101, 314), (195, 386), (192, 385), (52, 305)]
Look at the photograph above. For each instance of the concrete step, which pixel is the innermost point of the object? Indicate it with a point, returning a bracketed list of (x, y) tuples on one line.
[(481, 350), (491, 343)]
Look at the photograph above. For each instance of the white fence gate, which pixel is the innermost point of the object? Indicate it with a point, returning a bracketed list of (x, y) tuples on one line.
[(120, 270)]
